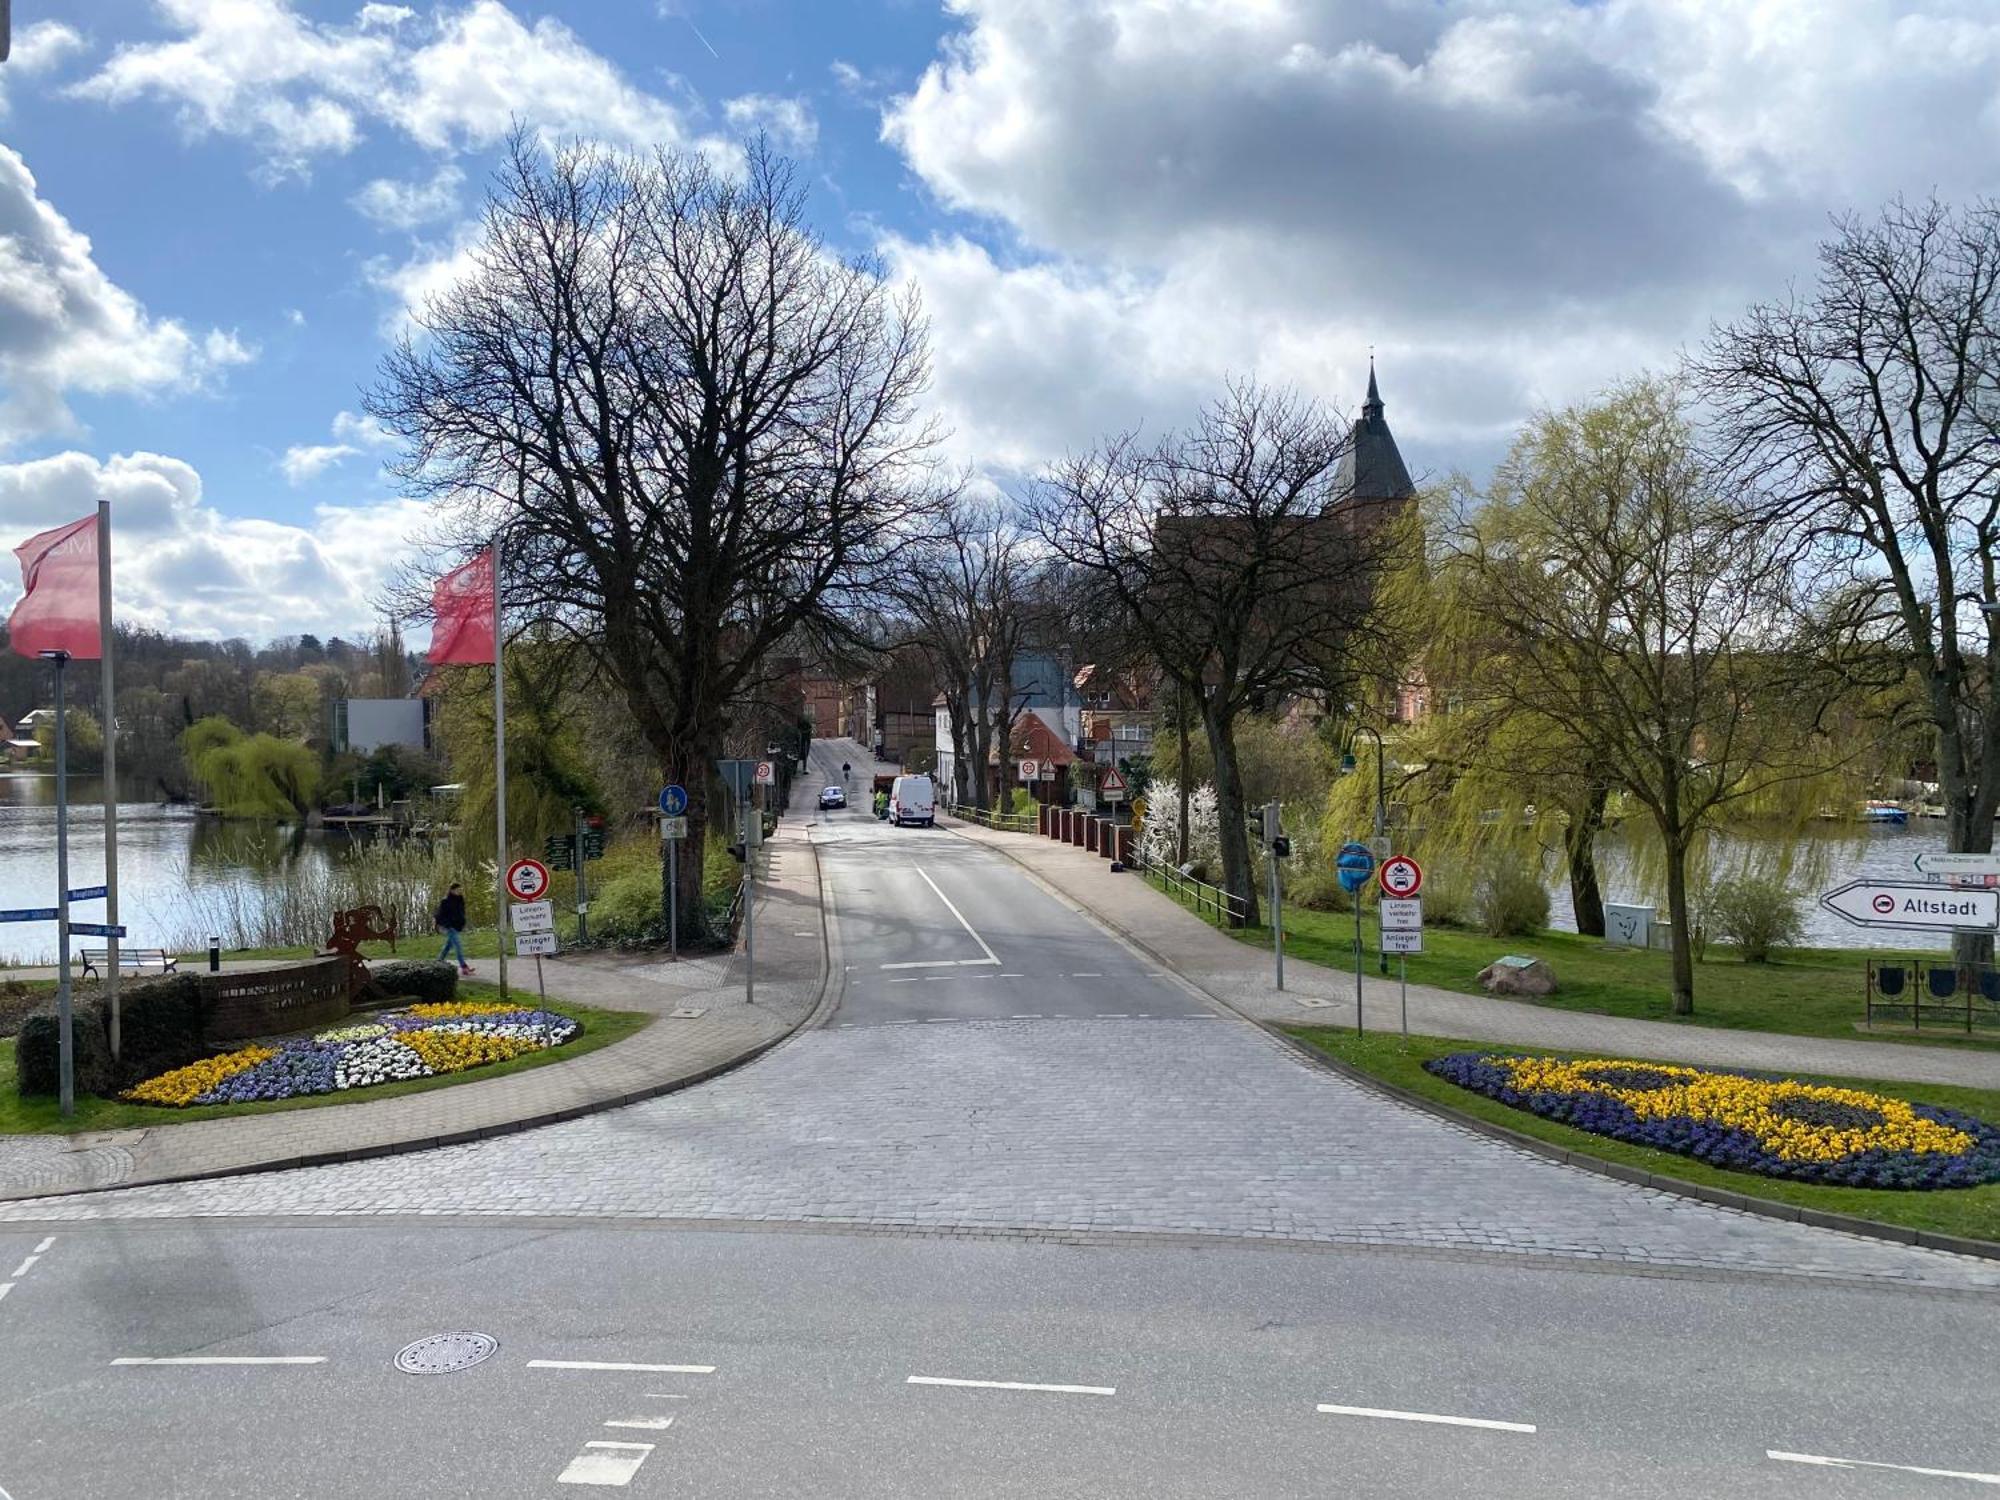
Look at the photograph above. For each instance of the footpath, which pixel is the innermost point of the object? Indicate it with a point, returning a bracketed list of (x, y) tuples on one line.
[(703, 1027), (1241, 976)]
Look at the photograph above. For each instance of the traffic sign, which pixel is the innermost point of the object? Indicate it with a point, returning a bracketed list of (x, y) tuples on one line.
[(1399, 940), (766, 773), (559, 852), (527, 879), (1353, 865), (593, 843), (1955, 864), (534, 945), (673, 828), (534, 916), (1920, 908), (736, 776), (1031, 770), (1112, 786), (673, 799), (1401, 876), (1401, 913)]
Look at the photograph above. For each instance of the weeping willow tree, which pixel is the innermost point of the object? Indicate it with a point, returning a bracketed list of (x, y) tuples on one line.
[(1611, 641), (250, 776)]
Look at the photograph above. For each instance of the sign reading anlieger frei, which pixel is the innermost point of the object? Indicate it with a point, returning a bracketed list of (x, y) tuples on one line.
[(1929, 908)]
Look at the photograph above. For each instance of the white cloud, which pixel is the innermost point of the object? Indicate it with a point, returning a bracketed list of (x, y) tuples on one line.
[(304, 461), (788, 122), (432, 270), (182, 565), (38, 49), (1513, 200), (298, 89), (362, 431), (407, 205), (67, 327)]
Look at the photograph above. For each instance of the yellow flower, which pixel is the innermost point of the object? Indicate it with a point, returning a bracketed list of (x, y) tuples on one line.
[(182, 1086), (454, 1051), (443, 1010)]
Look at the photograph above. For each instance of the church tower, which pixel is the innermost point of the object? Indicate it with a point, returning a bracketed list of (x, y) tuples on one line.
[(1372, 471)]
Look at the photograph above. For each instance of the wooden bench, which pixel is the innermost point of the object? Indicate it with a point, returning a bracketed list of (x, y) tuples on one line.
[(137, 959)]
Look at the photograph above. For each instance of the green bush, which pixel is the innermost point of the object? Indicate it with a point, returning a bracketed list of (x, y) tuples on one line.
[(160, 1027), (1021, 801), (1756, 914), (626, 908), (1447, 897), (429, 980), (1511, 900)]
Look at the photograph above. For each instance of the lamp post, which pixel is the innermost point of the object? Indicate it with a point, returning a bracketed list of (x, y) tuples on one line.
[(1381, 804)]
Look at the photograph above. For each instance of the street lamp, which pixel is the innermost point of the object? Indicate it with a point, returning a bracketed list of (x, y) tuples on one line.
[(1381, 801)]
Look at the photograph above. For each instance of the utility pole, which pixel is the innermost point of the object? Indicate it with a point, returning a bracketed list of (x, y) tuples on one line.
[(1273, 839)]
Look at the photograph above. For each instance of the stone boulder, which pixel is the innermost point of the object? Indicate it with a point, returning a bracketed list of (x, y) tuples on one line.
[(1518, 976)]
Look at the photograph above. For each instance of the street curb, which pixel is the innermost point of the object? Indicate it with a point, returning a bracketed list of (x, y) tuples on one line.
[(1768, 1208), (815, 1014)]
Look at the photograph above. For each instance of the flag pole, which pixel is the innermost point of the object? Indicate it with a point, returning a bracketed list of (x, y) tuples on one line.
[(500, 772), (65, 1034), (110, 710)]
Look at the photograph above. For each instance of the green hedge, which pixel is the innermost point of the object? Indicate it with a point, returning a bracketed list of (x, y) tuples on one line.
[(160, 1027), (416, 978)]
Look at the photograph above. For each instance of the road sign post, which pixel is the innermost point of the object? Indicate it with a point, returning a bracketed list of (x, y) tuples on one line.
[(1353, 865), (739, 776), (673, 828), (1912, 907)]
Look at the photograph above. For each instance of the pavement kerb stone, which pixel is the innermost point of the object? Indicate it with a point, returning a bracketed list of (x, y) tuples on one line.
[(814, 1015), (1749, 1203)]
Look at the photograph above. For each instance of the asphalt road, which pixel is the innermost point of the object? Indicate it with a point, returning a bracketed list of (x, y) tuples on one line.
[(991, 1232)]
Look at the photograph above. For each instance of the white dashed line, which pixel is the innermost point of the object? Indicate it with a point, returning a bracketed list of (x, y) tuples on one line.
[(599, 1364), (227, 1359), (1113, 1015), (43, 1247), (606, 1463), (1822, 1461), (25, 1267), (1016, 1385), (1013, 976), (5, 1288), (645, 1424), (1426, 1416), (1031, 1016), (1086, 976)]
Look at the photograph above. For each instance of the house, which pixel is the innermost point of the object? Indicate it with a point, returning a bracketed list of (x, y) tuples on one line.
[(33, 720), (1043, 687), (19, 752), (366, 724), (1117, 713)]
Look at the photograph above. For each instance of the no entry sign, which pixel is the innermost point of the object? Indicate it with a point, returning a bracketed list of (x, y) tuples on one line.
[(1400, 876), (527, 879)]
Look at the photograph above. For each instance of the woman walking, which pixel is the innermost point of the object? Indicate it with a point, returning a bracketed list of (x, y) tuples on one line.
[(451, 922)]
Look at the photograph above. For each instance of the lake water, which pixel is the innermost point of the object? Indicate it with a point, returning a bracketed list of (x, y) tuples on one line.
[(180, 877)]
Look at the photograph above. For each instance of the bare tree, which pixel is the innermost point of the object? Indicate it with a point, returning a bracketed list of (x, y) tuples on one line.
[(1866, 415), (1639, 634), (1228, 548), (692, 428)]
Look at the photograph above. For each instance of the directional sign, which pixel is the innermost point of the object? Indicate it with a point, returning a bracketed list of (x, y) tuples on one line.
[(29, 914), (559, 852), (534, 916), (673, 800), (534, 944), (1401, 914), (1921, 908), (1957, 864), (1113, 786), (527, 879), (593, 843), (1353, 865), (766, 773), (673, 828), (1401, 876), (1396, 940)]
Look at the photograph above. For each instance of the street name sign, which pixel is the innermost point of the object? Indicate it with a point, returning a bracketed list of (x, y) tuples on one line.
[(1919, 908), (1957, 864), (527, 879), (90, 893), (96, 929), (534, 945), (1396, 940), (534, 916), (1402, 913), (29, 914)]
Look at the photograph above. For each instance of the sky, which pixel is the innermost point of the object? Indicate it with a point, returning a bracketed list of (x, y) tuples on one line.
[(216, 214)]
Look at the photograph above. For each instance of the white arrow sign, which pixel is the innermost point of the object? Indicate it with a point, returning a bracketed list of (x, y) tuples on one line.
[(1958, 864), (1874, 903)]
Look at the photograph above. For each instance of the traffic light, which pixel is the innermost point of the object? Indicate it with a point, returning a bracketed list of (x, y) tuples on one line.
[(737, 853), (1281, 847)]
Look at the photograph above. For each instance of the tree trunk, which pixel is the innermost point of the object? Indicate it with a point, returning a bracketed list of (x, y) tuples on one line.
[(1968, 830), (1181, 772), (1682, 933), (1586, 896), (1239, 876)]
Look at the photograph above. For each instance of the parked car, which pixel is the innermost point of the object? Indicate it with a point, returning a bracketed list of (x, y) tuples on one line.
[(912, 799), (832, 796)]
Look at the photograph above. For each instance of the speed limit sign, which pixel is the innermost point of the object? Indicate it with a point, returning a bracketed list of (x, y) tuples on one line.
[(527, 879), (1400, 876)]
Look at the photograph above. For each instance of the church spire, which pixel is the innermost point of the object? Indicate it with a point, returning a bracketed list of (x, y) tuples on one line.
[(1372, 468), (1371, 409)]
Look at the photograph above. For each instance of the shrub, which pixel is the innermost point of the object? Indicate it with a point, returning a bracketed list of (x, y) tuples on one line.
[(1448, 897), (1756, 914), (160, 1027), (418, 979), (1511, 900), (626, 908), (1021, 801)]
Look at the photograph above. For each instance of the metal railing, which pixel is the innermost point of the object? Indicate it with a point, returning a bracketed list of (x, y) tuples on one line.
[(1203, 897), (1932, 991), (1005, 822)]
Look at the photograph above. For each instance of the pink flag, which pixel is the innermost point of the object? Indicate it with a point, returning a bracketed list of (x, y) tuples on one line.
[(58, 611), (463, 606)]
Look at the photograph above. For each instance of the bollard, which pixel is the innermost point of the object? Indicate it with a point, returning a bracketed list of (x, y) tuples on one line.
[(215, 955)]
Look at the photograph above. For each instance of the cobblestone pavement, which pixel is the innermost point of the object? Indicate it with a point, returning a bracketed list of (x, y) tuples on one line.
[(1194, 1126)]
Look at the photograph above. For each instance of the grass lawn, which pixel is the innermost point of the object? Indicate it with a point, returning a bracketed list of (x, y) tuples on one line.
[(40, 1114), (1972, 1212), (1804, 992)]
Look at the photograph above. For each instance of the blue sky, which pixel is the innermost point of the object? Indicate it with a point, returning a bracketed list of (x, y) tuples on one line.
[(1111, 207)]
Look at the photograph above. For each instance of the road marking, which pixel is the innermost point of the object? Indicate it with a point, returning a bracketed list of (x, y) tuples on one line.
[(1821, 1461), (1113, 1015), (645, 1424), (961, 922), (1091, 975), (926, 963), (5, 1288), (227, 1359), (1016, 1385), (25, 1267), (665, 1396), (43, 1247), (1031, 1016), (1426, 1416), (906, 981), (1013, 976), (608, 1463), (599, 1364)]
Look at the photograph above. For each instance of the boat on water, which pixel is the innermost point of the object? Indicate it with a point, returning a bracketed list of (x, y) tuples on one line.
[(1884, 812)]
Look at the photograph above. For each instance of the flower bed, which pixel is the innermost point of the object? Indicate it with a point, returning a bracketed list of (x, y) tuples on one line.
[(421, 1041), (1776, 1127)]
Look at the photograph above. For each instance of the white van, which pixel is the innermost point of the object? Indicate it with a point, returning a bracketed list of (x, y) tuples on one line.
[(912, 800)]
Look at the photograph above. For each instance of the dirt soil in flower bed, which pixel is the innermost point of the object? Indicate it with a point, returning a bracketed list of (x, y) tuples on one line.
[(1970, 1212), (40, 1115)]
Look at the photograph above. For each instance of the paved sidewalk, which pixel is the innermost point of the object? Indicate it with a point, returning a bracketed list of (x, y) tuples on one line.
[(1241, 976), (791, 969)]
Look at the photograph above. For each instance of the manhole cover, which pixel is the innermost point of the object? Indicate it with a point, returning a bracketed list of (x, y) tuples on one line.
[(444, 1353)]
